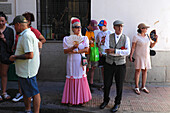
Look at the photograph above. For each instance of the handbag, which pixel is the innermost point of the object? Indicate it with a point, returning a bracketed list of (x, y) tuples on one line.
[(94, 53), (83, 60), (152, 52)]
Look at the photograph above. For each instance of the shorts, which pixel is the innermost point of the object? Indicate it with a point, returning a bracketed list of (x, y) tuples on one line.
[(29, 86), (102, 60), (91, 63)]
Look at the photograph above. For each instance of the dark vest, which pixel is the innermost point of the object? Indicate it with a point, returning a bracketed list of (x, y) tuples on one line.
[(118, 60)]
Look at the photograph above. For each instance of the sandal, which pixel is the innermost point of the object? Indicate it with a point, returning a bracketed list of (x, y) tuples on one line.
[(5, 96), (145, 90), (137, 91)]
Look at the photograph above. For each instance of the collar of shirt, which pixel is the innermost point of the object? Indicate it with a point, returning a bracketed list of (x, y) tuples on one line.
[(24, 31), (117, 39)]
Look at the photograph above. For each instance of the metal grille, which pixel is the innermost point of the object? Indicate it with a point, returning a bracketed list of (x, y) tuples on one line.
[(54, 16)]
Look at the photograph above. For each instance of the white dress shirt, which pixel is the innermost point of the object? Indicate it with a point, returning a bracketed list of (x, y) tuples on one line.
[(126, 51)]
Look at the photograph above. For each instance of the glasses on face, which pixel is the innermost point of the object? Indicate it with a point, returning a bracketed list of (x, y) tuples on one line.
[(77, 27)]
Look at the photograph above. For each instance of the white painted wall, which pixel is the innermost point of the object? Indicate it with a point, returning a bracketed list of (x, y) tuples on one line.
[(132, 12), (27, 5), (21, 6)]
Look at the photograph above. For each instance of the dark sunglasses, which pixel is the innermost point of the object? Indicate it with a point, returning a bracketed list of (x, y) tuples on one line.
[(77, 27), (144, 28)]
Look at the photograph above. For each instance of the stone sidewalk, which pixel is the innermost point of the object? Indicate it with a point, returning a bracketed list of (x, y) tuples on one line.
[(158, 101)]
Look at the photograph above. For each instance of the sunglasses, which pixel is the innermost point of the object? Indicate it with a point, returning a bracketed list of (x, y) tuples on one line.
[(144, 28), (77, 27)]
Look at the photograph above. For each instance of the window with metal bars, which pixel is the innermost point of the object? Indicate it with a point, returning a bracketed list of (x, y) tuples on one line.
[(54, 16)]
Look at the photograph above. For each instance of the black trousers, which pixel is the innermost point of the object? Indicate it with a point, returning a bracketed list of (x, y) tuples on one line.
[(118, 71)]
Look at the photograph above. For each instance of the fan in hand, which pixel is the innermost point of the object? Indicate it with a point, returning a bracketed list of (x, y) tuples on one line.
[(74, 39), (153, 34)]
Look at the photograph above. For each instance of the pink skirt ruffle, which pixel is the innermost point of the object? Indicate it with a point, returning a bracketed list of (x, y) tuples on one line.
[(76, 91)]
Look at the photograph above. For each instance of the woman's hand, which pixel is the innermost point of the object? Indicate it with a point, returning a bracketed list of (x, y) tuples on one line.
[(75, 46), (156, 37), (2, 37), (130, 59), (40, 45), (152, 44), (75, 52)]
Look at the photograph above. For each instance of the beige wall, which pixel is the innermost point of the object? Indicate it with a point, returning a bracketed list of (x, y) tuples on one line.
[(53, 66)]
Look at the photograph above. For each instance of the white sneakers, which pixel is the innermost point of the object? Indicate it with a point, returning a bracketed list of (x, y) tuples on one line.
[(18, 97)]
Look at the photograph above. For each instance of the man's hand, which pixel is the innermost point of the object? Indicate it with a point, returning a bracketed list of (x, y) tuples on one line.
[(91, 41), (110, 51), (12, 58), (100, 54)]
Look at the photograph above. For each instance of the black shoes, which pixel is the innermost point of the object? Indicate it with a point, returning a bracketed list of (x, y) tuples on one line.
[(103, 105), (115, 108)]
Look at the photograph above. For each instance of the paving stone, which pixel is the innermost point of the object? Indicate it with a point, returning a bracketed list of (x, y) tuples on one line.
[(157, 101)]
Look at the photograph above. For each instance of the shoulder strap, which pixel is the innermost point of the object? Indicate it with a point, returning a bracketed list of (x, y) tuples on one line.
[(148, 36)]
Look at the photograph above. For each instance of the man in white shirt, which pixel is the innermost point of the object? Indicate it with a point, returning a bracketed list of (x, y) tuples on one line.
[(115, 65), (27, 61)]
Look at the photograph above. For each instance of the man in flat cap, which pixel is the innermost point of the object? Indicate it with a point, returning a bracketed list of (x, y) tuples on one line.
[(119, 48), (27, 62)]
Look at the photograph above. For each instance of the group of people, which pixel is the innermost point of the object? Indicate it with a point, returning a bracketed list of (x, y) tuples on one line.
[(113, 49), (26, 54)]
